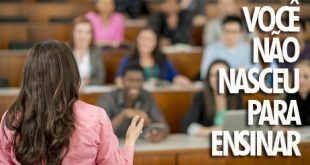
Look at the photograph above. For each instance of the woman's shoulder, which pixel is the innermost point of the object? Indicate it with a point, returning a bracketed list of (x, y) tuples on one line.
[(118, 16), (92, 15), (87, 112)]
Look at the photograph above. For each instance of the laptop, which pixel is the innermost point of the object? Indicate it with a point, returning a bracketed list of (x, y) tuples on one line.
[(237, 120)]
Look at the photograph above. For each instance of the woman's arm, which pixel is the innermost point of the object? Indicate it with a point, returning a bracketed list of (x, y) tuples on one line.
[(120, 72), (6, 144), (108, 150), (194, 112), (174, 76)]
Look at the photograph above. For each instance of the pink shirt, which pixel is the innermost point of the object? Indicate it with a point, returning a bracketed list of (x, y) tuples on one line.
[(93, 140), (114, 31)]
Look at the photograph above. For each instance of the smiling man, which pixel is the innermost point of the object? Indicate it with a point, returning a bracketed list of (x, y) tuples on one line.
[(123, 104)]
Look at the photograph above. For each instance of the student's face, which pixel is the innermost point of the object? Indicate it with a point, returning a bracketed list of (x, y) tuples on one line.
[(146, 42), (105, 6), (213, 77), (171, 6), (304, 78), (227, 7), (82, 35), (133, 83), (231, 33)]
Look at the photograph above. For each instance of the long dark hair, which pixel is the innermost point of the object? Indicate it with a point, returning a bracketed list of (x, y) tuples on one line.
[(158, 56), (41, 117), (232, 100)]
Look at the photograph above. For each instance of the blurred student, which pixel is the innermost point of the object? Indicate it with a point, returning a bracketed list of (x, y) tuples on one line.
[(303, 45), (198, 8), (124, 103), (108, 25), (208, 107), (133, 8), (47, 124), (232, 49), (172, 24), (155, 64), (303, 95), (87, 55), (213, 30)]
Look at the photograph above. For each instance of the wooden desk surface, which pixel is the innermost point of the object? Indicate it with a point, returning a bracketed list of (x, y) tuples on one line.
[(179, 142), (180, 149)]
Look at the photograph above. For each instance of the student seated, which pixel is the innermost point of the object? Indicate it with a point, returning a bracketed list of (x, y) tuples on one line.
[(109, 26), (303, 45), (87, 55), (213, 31), (124, 103), (207, 111), (133, 8), (303, 95), (47, 124), (232, 48), (155, 64), (172, 24), (198, 9)]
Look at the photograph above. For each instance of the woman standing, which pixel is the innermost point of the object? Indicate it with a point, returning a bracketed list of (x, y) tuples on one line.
[(47, 124)]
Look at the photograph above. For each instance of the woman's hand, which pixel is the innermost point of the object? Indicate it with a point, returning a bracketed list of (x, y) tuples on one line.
[(133, 131)]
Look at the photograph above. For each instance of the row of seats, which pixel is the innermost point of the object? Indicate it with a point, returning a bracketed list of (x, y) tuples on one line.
[(29, 33), (188, 64), (43, 12), (89, 1)]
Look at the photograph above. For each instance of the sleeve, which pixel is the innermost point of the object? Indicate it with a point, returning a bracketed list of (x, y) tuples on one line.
[(122, 66), (205, 36), (5, 144), (108, 150), (155, 113), (98, 76), (155, 22), (208, 57), (89, 16), (193, 115), (209, 34), (170, 71), (186, 27), (120, 28), (201, 7)]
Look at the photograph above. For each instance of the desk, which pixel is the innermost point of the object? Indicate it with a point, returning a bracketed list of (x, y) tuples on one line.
[(180, 149)]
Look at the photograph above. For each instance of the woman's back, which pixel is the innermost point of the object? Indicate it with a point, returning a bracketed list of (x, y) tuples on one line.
[(47, 124), (92, 141)]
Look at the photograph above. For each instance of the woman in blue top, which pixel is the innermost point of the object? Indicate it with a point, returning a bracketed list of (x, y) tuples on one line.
[(155, 64)]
